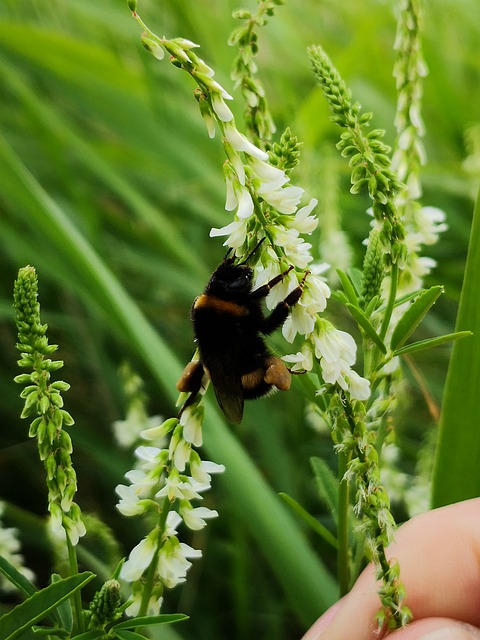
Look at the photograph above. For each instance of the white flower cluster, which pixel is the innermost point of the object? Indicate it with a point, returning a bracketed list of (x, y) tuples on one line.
[(9, 549), (166, 481)]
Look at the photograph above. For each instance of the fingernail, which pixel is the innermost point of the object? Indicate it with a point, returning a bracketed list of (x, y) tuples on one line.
[(457, 632)]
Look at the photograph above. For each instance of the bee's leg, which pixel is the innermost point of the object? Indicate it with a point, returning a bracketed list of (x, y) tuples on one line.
[(278, 374), (280, 313), (259, 382), (263, 291), (191, 382)]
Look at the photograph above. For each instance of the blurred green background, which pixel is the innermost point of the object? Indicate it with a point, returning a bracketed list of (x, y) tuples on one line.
[(110, 142)]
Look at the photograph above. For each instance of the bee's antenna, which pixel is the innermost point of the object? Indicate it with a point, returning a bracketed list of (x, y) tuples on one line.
[(227, 254), (253, 251)]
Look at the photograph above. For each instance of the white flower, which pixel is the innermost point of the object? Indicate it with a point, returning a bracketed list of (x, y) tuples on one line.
[(431, 222), (129, 501), (334, 345), (172, 561), (179, 451), (9, 549), (173, 520), (153, 607), (303, 222), (359, 387), (221, 109), (194, 517), (139, 559), (270, 177), (241, 143), (298, 321), (75, 529), (302, 360), (191, 419), (201, 470), (245, 204), (284, 200), (236, 232), (315, 295), (141, 482), (149, 456)]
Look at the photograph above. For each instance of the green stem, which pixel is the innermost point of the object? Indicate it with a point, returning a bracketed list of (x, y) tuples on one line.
[(343, 555), (391, 300), (79, 623)]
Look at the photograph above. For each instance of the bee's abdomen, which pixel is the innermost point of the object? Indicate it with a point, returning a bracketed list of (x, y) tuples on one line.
[(217, 305)]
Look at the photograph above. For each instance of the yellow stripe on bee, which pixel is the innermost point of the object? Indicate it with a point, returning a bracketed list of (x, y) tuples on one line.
[(217, 304)]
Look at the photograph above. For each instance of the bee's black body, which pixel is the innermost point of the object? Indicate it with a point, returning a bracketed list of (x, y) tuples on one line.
[(229, 326)]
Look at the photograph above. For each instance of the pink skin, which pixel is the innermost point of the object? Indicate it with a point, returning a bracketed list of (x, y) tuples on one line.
[(439, 556)]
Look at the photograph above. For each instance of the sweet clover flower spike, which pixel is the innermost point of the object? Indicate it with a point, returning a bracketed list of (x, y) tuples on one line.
[(165, 483), (258, 119), (43, 399), (423, 224), (368, 155)]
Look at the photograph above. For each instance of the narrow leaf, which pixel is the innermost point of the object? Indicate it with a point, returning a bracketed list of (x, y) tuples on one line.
[(312, 522), (39, 605), (367, 326), (58, 632), (348, 287), (16, 578), (431, 342), (456, 471), (413, 316), (124, 634), (326, 483), (149, 621), (64, 613), (91, 635)]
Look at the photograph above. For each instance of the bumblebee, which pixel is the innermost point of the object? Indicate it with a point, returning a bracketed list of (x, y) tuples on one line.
[(229, 326)]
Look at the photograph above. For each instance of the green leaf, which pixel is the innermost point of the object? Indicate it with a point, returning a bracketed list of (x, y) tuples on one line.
[(59, 632), (92, 634), (64, 613), (16, 578), (40, 604), (327, 484), (124, 634), (413, 316), (312, 522), (348, 288), (456, 469), (365, 324), (428, 343), (150, 621)]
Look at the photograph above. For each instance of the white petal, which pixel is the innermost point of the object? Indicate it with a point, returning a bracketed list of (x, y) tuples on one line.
[(241, 143)]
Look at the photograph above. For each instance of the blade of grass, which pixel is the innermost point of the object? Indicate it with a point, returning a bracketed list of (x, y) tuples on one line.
[(456, 470)]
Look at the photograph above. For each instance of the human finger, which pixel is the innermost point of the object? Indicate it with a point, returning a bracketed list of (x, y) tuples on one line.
[(439, 557)]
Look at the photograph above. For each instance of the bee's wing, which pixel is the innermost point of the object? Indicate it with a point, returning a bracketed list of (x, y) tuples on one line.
[(228, 390)]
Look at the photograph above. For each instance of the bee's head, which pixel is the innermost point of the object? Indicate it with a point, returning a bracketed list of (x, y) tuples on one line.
[(230, 281)]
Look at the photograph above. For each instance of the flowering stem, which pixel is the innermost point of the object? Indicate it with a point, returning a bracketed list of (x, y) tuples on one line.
[(343, 556), (394, 274), (150, 577), (76, 598)]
